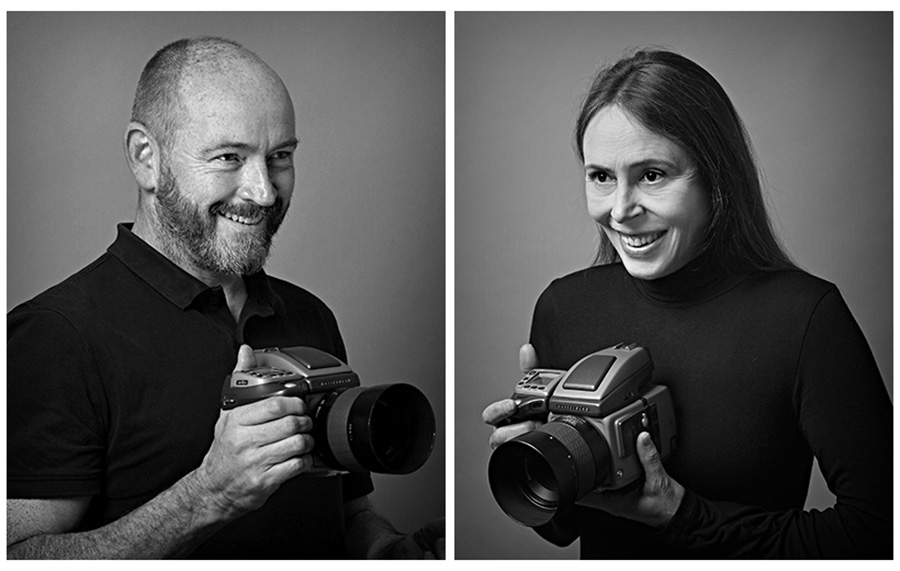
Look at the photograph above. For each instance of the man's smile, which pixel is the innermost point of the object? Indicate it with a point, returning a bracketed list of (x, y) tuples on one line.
[(242, 219)]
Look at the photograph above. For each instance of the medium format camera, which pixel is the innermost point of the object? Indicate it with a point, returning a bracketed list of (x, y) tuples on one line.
[(594, 412), (389, 429)]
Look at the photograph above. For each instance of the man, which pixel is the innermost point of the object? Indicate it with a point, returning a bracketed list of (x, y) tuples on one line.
[(116, 445)]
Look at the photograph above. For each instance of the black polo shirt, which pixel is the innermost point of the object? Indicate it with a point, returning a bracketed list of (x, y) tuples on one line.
[(115, 377)]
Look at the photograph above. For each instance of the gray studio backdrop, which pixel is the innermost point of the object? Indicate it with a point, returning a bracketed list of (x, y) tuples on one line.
[(366, 227), (815, 93)]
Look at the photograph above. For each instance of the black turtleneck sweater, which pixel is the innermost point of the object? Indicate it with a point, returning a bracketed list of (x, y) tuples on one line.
[(766, 371)]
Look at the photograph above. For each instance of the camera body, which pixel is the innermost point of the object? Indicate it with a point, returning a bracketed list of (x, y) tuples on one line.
[(594, 412), (302, 372), (386, 428), (611, 390)]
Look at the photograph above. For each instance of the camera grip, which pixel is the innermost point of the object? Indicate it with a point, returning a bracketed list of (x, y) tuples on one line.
[(234, 397), (528, 408)]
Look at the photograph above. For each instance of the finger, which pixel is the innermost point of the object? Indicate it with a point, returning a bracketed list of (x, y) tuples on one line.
[(649, 456), (282, 428), (283, 471), (427, 536), (440, 549), (246, 358), (293, 446), (498, 411), (527, 357), (269, 409), (507, 433)]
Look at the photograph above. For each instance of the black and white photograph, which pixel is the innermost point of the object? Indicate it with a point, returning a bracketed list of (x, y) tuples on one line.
[(184, 381), (471, 282), (683, 222)]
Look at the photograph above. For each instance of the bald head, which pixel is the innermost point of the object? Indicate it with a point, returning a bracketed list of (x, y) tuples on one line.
[(188, 69)]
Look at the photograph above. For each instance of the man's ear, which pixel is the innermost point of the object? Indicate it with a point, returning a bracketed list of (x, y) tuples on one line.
[(143, 156)]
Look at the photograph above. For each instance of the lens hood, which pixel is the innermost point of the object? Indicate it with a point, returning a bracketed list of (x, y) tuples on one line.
[(388, 429)]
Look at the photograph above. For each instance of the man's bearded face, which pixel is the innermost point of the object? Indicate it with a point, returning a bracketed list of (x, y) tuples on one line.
[(194, 234)]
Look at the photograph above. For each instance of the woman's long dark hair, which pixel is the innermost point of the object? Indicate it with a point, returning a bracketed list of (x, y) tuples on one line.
[(676, 98)]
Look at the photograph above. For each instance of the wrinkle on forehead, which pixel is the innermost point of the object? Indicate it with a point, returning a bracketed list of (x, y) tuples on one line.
[(615, 139)]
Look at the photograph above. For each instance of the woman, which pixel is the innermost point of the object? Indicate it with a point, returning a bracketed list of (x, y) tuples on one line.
[(766, 365)]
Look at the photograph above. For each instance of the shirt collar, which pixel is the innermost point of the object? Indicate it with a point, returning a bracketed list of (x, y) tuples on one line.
[(172, 282)]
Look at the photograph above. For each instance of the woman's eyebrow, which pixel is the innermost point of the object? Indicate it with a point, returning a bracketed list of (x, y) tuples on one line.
[(647, 162)]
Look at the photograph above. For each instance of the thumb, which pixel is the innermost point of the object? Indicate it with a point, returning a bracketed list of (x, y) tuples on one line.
[(527, 358), (246, 359), (649, 457)]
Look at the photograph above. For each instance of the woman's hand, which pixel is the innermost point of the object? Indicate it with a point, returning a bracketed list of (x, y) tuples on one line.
[(496, 413), (654, 503)]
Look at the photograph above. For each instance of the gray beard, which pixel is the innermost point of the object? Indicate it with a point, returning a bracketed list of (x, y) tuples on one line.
[(190, 235)]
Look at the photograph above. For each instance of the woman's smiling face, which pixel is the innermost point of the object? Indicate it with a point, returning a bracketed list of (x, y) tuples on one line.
[(645, 193)]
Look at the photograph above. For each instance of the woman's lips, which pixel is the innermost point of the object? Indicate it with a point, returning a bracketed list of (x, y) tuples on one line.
[(640, 241)]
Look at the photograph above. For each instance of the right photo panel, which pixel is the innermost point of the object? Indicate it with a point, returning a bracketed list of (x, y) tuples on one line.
[(673, 285)]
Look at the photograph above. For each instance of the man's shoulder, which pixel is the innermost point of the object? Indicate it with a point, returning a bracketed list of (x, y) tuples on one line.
[(76, 293), (297, 299), (291, 291)]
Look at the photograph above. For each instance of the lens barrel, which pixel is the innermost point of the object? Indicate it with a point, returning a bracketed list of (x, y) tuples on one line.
[(538, 474), (388, 429)]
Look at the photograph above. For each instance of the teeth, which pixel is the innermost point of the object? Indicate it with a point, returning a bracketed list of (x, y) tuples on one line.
[(640, 240), (241, 219)]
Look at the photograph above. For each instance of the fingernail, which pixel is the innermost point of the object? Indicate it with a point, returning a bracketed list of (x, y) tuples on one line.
[(645, 439)]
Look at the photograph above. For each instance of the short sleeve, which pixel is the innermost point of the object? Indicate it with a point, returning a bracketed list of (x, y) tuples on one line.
[(55, 443)]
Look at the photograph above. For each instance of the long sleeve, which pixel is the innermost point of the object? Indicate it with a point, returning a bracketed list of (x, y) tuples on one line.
[(767, 373), (845, 415)]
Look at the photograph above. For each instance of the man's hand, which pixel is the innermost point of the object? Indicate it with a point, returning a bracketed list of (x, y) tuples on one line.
[(426, 543), (370, 536), (499, 411), (654, 503), (257, 447)]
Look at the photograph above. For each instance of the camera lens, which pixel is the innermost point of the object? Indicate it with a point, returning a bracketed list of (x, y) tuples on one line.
[(394, 429), (389, 429), (548, 469), (538, 481)]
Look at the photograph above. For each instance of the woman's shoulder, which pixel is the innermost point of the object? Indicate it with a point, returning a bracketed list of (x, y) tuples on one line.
[(792, 283), (585, 287), (591, 277)]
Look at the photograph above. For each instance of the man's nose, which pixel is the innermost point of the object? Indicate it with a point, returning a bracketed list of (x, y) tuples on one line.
[(256, 184), (626, 203)]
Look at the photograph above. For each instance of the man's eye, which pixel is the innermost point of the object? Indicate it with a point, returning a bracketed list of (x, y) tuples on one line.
[(653, 176), (229, 158), (598, 177), (282, 156)]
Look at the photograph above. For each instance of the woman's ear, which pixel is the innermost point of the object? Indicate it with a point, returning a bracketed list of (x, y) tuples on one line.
[(143, 156)]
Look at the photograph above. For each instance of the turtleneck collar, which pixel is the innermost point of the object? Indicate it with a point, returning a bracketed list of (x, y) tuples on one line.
[(701, 279)]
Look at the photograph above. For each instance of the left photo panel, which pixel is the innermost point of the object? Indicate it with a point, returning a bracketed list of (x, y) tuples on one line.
[(226, 285)]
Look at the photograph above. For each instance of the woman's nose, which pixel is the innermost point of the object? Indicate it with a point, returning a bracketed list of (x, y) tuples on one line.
[(626, 204)]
